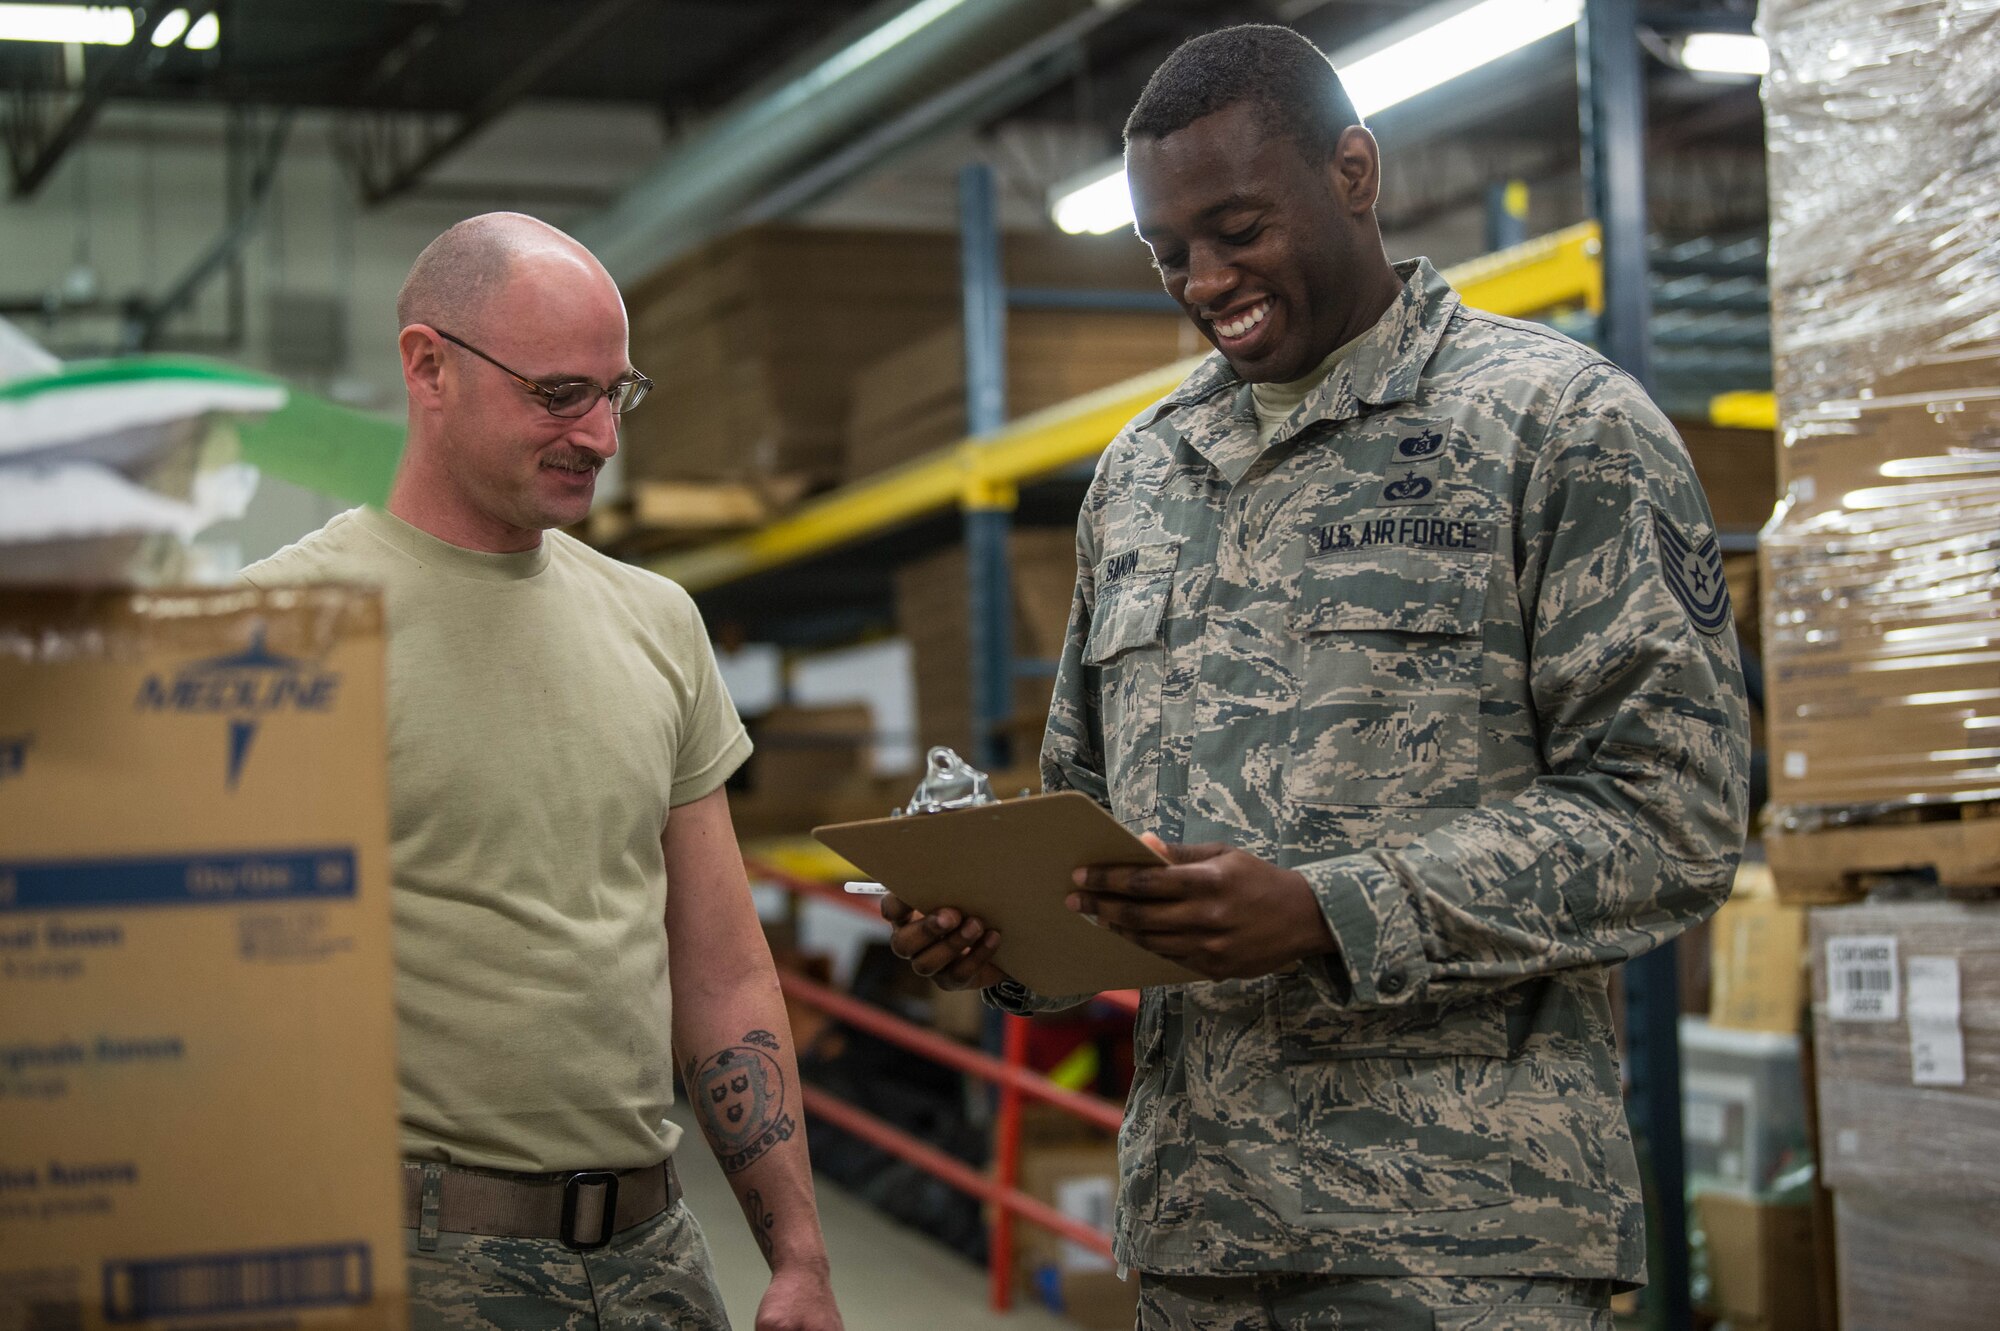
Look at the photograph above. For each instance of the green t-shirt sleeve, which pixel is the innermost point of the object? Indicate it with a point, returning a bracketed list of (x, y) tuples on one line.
[(713, 742)]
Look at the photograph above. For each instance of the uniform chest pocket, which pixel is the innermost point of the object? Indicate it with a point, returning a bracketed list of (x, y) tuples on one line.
[(1127, 649), (1388, 645)]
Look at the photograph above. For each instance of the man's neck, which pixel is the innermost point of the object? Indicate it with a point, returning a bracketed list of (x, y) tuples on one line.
[(424, 496)]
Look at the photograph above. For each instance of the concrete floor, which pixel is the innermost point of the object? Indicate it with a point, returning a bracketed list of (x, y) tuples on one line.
[(886, 1277)]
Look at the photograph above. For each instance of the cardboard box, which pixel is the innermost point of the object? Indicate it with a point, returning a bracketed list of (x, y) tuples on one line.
[(1912, 1261), (1908, 1074), (1761, 1270), (197, 1065), (807, 751), (1757, 960), (773, 324), (913, 400), (931, 611), (1078, 1178)]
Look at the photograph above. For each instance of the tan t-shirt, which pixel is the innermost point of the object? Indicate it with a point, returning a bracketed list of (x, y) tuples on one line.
[(1275, 403), (546, 709)]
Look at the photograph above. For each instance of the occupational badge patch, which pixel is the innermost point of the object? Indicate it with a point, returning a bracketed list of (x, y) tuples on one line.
[(1410, 490), (1425, 445), (1694, 576)]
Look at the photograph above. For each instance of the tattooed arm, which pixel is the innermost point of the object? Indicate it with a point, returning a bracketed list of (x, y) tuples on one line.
[(734, 1045)]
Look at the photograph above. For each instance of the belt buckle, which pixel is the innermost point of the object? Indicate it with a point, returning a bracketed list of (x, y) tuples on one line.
[(572, 1189)]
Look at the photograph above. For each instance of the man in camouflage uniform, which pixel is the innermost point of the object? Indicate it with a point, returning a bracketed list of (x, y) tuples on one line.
[(1399, 628)]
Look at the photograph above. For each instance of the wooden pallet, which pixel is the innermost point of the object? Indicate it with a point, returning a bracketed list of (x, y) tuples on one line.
[(662, 515), (1957, 846)]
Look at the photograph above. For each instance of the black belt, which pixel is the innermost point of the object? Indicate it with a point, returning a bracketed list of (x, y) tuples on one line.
[(598, 1202)]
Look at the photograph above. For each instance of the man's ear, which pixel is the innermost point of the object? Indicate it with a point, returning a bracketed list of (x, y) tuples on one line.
[(1356, 169), (423, 363)]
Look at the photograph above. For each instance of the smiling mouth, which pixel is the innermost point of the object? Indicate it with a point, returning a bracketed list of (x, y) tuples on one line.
[(574, 466), (1236, 325)]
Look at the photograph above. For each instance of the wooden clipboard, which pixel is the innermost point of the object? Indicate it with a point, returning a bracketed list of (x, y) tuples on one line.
[(1010, 865)]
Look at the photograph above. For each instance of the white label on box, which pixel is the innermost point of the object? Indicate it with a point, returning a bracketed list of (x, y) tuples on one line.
[(1937, 1043), (1088, 1199), (1861, 979), (1795, 765), (1805, 487)]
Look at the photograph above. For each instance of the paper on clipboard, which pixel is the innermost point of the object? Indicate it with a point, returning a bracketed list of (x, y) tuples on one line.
[(1010, 864)]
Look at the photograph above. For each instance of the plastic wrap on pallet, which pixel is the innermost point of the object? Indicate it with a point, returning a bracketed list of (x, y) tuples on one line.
[(1910, 1261), (1881, 567), (1906, 1027)]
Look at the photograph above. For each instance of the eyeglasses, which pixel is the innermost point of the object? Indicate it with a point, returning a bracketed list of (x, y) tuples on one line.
[(572, 397)]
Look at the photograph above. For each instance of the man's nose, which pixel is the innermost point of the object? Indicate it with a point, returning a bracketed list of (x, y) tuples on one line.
[(597, 429), (1209, 280)]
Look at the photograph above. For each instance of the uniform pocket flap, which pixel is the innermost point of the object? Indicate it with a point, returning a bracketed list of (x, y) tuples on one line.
[(1312, 1029), (1132, 590), (1392, 590)]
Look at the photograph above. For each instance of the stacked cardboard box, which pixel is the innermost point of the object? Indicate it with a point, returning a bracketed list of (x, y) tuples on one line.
[(1878, 617), (810, 767), (1906, 1015), (1885, 282), (1073, 1168), (757, 338), (913, 400), (931, 601), (197, 1064)]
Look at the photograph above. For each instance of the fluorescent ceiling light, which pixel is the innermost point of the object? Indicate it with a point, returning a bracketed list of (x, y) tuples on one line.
[(170, 29), (89, 25), (1399, 66), (1096, 204), (1430, 48), (1726, 53), (205, 33)]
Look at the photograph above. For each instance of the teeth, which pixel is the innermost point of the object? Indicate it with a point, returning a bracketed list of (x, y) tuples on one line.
[(1238, 327)]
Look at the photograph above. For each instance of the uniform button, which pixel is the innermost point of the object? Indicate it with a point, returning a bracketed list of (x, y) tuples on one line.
[(1392, 983)]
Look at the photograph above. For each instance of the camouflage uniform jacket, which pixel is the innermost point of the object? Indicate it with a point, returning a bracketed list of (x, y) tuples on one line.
[(1454, 645)]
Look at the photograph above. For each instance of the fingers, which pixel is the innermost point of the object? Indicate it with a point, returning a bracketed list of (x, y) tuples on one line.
[(897, 911), (945, 946)]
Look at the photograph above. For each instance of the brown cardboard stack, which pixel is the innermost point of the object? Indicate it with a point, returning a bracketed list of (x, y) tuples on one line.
[(1879, 598), (913, 400), (1757, 959), (757, 338), (1075, 1171), (1906, 1015), (197, 1063), (931, 601), (811, 766)]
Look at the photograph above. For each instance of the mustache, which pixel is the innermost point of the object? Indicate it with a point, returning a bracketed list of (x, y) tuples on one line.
[(574, 458)]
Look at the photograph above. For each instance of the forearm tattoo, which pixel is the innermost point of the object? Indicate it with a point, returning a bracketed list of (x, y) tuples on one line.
[(742, 1100), (761, 1220)]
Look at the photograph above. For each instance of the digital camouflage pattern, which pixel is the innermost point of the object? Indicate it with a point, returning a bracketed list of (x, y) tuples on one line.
[(1284, 1302), (1422, 648), (655, 1276)]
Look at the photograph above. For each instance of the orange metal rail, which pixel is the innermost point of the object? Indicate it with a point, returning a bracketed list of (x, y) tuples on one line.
[(1009, 1072)]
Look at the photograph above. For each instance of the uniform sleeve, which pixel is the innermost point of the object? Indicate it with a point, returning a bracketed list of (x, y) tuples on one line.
[(713, 741), (1073, 744), (1632, 831)]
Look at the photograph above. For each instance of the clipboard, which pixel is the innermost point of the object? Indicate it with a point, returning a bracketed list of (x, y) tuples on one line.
[(1010, 864)]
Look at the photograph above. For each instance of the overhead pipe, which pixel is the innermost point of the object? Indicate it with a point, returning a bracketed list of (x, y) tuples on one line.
[(896, 53)]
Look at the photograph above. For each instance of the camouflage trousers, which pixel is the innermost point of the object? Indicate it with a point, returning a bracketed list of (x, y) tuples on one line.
[(1282, 1302), (655, 1276)]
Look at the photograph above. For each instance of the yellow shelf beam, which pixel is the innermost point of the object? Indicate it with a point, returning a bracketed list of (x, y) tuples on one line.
[(1744, 411), (1549, 273)]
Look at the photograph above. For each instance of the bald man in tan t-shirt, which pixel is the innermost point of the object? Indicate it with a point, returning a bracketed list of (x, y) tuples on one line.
[(571, 908)]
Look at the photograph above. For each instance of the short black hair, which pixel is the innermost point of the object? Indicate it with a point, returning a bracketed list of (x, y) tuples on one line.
[(1293, 86)]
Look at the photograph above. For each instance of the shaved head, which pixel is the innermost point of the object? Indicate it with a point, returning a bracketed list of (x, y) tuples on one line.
[(460, 273)]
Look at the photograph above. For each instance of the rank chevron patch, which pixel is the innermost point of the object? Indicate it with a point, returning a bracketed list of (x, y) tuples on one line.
[(1694, 576)]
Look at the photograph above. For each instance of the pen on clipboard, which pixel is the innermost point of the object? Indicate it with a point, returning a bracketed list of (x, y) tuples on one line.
[(868, 889)]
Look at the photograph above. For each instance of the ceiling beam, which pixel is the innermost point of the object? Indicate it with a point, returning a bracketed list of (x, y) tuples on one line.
[(375, 146), (33, 151)]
